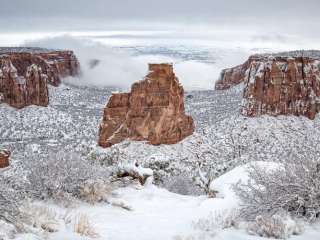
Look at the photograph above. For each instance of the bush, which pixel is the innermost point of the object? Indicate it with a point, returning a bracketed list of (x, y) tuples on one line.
[(218, 220), (276, 226), (83, 227), (293, 187), (10, 200), (208, 227), (40, 217), (61, 174), (95, 191), (182, 184)]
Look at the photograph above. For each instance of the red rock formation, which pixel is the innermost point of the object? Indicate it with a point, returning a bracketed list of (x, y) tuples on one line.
[(279, 85), (153, 111), (20, 91), (24, 75), (4, 158), (55, 64), (61, 64), (232, 76)]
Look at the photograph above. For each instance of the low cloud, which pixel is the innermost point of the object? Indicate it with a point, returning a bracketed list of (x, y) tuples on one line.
[(115, 68), (119, 68)]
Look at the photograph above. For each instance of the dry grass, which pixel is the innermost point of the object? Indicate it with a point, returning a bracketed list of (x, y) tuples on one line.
[(40, 217), (83, 227)]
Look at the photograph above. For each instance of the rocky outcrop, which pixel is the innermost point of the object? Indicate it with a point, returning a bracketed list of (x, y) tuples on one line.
[(55, 64), (232, 76), (24, 75), (4, 158), (20, 91), (60, 64), (153, 111), (277, 86), (280, 84)]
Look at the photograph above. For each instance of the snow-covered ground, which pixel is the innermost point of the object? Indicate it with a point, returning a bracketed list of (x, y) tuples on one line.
[(223, 140), (159, 214), (173, 207)]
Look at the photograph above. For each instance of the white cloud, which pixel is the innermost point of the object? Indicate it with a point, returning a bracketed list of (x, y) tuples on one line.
[(116, 68), (119, 68)]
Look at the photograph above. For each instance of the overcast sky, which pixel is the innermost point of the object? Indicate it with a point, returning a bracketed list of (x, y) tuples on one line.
[(68, 14)]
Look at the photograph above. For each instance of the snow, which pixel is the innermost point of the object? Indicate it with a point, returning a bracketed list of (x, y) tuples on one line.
[(156, 213), (138, 169), (223, 183), (159, 214)]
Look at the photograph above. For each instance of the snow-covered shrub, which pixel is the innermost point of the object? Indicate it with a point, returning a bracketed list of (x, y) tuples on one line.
[(218, 220), (61, 174), (10, 200), (182, 184), (40, 217), (293, 187), (7, 231), (95, 190), (83, 227), (207, 228), (276, 226), (204, 180)]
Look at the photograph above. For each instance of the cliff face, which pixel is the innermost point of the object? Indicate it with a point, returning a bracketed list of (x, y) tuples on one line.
[(277, 84), (60, 64), (153, 111), (55, 64), (280, 85), (24, 75), (232, 76), (4, 158)]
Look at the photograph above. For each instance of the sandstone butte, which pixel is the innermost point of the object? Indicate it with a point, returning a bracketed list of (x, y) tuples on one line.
[(26, 72), (4, 158), (280, 84), (153, 111)]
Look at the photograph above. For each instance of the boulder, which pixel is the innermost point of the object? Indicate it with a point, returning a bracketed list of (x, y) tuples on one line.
[(4, 158), (153, 111)]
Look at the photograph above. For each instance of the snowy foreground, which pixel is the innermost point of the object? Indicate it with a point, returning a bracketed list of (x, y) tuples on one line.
[(159, 214)]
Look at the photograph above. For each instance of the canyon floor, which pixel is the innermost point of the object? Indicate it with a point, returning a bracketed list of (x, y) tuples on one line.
[(173, 208)]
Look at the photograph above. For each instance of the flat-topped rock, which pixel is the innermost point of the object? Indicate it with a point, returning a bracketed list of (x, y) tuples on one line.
[(283, 86), (278, 84), (232, 76)]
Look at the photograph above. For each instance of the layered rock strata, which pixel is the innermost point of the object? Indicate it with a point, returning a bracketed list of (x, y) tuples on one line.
[(232, 76), (277, 85), (24, 75), (153, 111)]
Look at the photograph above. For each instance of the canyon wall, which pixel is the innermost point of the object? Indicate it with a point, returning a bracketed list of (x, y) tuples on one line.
[(277, 84), (232, 76), (153, 111), (24, 75)]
